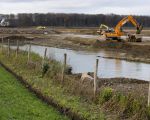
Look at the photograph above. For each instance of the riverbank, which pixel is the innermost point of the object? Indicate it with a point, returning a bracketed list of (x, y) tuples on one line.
[(82, 39), (79, 64), (16, 102), (77, 97), (129, 52)]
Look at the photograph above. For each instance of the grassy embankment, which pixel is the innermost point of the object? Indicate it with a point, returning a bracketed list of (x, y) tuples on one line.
[(17, 103), (74, 95)]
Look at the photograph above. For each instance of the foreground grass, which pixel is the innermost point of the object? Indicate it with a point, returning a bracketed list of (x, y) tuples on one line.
[(108, 105), (17, 103), (49, 85)]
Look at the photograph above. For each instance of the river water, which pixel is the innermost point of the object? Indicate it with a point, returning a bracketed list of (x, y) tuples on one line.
[(83, 61)]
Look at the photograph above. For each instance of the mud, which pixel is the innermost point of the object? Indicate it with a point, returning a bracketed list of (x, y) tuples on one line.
[(138, 53), (15, 37), (126, 86)]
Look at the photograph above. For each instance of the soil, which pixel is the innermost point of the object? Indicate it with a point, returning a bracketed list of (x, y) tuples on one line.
[(138, 88), (81, 39), (126, 86)]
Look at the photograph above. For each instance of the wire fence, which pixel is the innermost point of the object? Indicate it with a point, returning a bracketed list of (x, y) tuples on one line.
[(27, 49), (63, 76)]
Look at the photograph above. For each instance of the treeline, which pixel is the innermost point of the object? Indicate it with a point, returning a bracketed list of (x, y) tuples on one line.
[(70, 20)]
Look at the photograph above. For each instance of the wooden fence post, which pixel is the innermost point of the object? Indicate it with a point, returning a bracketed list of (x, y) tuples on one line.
[(2, 44), (8, 47), (17, 50), (95, 77), (25, 41), (64, 67), (45, 53), (29, 50), (149, 94), (44, 57)]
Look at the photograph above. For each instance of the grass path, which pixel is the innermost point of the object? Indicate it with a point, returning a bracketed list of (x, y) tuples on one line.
[(17, 103)]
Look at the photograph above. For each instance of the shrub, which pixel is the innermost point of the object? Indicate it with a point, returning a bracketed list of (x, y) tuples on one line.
[(148, 113), (121, 99), (45, 69), (106, 95), (129, 105)]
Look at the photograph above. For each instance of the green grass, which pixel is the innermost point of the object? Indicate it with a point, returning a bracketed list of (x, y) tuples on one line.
[(17, 103), (108, 105), (50, 86)]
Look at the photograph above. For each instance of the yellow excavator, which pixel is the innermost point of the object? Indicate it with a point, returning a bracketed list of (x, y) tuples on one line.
[(116, 33)]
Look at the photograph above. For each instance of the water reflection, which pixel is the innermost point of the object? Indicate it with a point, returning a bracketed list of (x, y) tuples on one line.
[(82, 61)]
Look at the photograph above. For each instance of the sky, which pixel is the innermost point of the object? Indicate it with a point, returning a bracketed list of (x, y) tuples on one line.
[(123, 7)]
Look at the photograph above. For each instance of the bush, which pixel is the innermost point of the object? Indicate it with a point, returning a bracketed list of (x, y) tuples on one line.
[(106, 95), (54, 70), (121, 99), (45, 69), (148, 113), (132, 106)]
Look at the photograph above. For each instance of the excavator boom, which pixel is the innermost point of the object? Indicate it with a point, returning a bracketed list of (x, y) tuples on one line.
[(124, 21)]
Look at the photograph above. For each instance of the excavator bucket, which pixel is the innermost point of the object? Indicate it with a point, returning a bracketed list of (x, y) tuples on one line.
[(139, 29)]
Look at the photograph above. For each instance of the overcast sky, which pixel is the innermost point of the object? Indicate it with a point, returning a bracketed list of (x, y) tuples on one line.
[(133, 7)]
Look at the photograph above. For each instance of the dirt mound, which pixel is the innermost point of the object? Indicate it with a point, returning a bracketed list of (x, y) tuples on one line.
[(111, 44), (14, 37), (80, 40)]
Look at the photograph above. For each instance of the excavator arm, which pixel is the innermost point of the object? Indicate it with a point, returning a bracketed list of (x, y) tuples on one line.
[(124, 21), (102, 26)]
